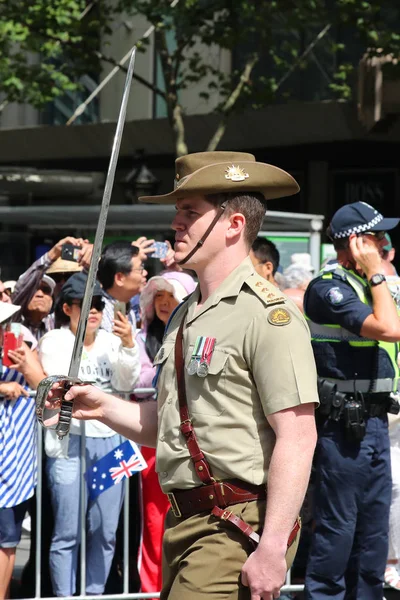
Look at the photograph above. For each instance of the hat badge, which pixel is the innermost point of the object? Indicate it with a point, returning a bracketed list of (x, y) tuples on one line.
[(236, 173)]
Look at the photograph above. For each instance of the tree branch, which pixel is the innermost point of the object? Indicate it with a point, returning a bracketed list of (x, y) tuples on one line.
[(142, 80), (231, 101), (174, 109)]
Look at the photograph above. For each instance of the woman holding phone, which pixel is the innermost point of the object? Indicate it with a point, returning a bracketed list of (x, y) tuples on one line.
[(112, 362), (18, 463)]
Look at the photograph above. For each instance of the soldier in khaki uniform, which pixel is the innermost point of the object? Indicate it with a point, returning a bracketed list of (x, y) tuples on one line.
[(237, 358)]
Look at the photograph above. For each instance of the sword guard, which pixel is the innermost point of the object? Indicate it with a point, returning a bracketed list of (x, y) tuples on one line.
[(65, 412)]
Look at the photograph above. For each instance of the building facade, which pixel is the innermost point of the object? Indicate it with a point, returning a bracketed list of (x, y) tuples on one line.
[(52, 175)]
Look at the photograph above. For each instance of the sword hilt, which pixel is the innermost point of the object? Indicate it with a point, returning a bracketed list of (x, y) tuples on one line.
[(64, 420), (65, 412)]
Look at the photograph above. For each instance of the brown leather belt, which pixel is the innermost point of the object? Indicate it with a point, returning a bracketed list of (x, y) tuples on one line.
[(185, 503)]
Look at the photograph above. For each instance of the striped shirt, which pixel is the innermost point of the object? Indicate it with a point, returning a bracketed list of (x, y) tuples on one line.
[(108, 313), (18, 459)]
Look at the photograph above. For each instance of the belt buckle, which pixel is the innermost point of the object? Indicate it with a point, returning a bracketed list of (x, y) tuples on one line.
[(174, 505), (226, 514)]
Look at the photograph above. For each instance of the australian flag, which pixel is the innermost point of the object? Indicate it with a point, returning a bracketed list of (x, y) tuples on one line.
[(119, 464)]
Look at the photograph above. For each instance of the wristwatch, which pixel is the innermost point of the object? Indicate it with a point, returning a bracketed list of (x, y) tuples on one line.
[(377, 279)]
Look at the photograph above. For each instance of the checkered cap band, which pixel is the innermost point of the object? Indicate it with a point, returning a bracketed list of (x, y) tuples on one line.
[(359, 228)]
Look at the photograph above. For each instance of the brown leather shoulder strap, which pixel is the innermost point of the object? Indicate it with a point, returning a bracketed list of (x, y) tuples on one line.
[(201, 465), (206, 234)]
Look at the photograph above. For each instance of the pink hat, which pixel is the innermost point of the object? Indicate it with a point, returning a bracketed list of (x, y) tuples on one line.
[(176, 282)]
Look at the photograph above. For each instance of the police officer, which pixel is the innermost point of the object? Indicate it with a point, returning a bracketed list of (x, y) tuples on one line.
[(236, 393), (355, 330)]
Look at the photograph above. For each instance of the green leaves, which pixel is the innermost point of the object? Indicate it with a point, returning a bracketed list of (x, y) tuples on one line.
[(45, 47), (235, 54)]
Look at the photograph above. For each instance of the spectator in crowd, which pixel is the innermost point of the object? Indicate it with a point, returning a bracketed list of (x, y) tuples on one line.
[(303, 259), (296, 280), (122, 276), (36, 314), (18, 467), (34, 290), (388, 257), (60, 271), (9, 287), (29, 281), (4, 294), (160, 296), (265, 257), (112, 361), (392, 575)]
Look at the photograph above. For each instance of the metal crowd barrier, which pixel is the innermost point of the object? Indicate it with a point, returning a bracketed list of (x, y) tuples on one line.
[(125, 595)]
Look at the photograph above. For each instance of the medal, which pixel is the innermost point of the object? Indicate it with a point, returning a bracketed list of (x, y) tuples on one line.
[(192, 367), (203, 366), (202, 369), (196, 355)]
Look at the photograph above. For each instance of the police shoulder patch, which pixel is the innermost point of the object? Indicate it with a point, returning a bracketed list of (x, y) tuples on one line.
[(279, 316), (335, 295)]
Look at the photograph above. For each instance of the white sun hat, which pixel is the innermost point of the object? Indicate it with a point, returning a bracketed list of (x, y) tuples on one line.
[(7, 310)]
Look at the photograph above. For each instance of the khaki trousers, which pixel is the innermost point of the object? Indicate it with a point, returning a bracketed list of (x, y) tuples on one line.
[(203, 556)]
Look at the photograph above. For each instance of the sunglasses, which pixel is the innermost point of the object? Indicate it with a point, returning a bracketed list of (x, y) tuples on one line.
[(46, 289), (380, 235), (97, 303)]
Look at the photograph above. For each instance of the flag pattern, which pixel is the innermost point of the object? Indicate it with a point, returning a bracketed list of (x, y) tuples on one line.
[(116, 466)]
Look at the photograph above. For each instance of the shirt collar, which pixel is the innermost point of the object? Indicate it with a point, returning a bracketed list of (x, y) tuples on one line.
[(231, 286)]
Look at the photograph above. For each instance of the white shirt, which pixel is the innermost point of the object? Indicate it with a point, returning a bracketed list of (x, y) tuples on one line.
[(110, 365)]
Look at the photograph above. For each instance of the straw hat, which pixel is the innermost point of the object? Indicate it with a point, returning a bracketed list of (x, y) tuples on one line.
[(204, 173), (64, 266)]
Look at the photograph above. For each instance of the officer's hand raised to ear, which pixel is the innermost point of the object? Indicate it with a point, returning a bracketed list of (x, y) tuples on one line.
[(366, 255)]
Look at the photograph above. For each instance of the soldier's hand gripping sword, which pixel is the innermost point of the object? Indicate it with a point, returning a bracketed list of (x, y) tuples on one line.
[(64, 383)]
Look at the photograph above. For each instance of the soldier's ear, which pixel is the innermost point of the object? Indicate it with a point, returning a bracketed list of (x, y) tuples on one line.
[(237, 223)]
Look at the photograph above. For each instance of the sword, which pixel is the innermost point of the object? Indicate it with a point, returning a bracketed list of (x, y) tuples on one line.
[(65, 383)]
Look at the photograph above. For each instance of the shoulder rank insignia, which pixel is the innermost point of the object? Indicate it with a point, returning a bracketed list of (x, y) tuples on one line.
[(279, 316), (268, 293)]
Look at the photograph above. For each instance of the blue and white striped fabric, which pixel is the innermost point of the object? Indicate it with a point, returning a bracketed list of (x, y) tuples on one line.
[(18, 458)]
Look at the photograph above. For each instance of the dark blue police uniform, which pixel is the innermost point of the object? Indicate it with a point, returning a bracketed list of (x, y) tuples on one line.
[(352, 463)]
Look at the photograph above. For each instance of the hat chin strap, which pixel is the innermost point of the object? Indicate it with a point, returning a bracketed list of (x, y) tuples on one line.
[(205, 236)]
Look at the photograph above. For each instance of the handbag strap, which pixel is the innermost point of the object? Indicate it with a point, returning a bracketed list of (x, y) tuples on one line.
[(200, 462)]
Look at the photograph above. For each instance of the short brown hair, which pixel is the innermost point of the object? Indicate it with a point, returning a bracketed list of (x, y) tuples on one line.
[(251, 205), (338, 243)]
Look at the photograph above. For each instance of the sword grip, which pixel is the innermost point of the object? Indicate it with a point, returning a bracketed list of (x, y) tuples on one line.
[(64, 421)]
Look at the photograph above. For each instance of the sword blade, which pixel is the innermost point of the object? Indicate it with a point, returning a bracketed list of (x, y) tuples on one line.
[(101, 226)]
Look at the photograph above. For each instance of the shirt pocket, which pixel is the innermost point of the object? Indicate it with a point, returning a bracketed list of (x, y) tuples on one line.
[(161, 358), (207, 395)]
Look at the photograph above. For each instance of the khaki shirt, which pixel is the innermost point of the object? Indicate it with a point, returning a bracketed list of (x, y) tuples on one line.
[(257, 368)]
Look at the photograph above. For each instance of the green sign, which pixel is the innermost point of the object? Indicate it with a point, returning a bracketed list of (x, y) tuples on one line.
[(288, 245)]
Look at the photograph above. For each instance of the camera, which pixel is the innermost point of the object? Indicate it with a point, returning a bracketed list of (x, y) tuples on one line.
[(160, 250), (70, 252)]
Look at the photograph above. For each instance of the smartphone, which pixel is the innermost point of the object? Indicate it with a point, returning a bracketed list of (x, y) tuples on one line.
[(70, 252), (12, 341), (160, 250), (119, 307)]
